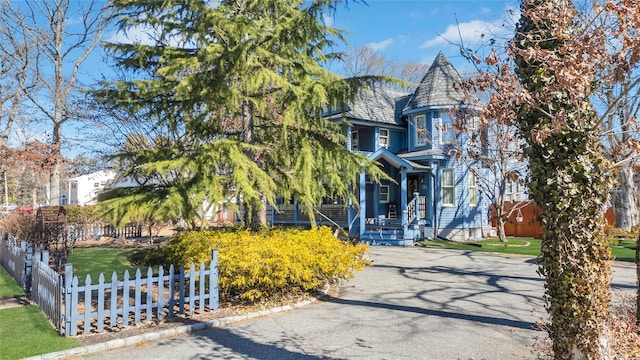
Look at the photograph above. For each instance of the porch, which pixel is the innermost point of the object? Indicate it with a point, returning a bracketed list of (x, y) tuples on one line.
[(398, 230), (396, 210), (294, 214)]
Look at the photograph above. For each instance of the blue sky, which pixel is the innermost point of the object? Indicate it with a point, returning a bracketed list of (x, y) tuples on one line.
[(417, 30)]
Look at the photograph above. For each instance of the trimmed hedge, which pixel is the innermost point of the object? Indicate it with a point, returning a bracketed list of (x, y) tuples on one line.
[(275, 262)]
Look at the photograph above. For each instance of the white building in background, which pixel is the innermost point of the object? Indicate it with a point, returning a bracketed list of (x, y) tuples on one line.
[(84, 189)]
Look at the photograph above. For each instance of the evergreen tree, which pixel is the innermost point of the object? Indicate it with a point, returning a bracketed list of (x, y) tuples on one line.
[(570, 179), (243, 84)]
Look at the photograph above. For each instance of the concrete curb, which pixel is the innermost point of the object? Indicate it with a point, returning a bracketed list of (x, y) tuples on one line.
[(167, 333)]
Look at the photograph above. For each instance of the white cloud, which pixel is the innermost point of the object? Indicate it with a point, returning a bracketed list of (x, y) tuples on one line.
[(380, 45), (135, 35), (328, 19), (471, 32)]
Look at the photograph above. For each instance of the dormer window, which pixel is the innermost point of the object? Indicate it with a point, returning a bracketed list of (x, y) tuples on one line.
[(421, 130), (384, 138), (355, 144)]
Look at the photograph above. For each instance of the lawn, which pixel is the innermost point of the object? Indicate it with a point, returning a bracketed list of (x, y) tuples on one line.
[(94, 261), (25, 331), (8, 286), (623, 250)]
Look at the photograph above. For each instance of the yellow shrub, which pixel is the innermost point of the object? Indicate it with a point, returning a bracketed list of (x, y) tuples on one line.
[(258, 265)]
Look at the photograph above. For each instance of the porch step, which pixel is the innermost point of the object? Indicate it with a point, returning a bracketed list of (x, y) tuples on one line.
[(385, 237)]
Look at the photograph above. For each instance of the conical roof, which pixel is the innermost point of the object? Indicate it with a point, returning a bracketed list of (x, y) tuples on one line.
[(437, 88)]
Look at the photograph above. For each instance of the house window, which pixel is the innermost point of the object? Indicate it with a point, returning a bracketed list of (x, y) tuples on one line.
[(421, 130), (447, 184), (472, 128), (355, 141), (512, 191), (384, 138), (446, 132), (473, 190), (384, 193)]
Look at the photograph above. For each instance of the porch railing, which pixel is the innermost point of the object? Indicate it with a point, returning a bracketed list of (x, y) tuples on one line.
[(416, 208)]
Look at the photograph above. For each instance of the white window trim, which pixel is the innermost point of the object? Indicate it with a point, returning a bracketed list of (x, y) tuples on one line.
[(473, 189), (385, 199), (452, 186), (417, 139), (443, 139), (386, 137), (355, 144)]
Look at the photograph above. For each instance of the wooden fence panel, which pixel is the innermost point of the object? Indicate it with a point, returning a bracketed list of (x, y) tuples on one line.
[(47, 289), (529, 226), (93, 306), (153, 296), (17, 261)]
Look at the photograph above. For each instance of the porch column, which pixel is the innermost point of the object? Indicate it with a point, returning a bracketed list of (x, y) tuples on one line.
[(403, 190), (363, 202)]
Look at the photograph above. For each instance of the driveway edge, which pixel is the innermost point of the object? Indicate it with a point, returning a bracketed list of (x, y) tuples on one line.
[(167, 333)]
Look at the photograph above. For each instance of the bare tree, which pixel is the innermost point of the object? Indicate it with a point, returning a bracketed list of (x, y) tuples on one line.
[(64, 33), (369, 61), (493, 152), (619, 137)]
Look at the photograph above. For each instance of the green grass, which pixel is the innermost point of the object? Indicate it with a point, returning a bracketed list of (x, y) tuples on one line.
[(8, 286), (623, 250), (25, 331), (94, 261)]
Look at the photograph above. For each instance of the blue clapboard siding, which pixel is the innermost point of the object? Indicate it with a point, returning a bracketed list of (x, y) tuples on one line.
[(461, 215)]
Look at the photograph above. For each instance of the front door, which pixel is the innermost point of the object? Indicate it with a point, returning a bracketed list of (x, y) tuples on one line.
[(369, 213), (413, 186)]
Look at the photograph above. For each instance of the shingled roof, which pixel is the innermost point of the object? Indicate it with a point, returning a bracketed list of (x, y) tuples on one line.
[(378, 104), (437, 87)]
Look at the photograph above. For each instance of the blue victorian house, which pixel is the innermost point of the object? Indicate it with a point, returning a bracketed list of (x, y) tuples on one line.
[(412, 137)]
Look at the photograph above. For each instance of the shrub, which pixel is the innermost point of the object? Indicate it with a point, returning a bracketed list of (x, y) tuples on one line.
[(253, 266), (20, 226), (82, 214), (148, 257)]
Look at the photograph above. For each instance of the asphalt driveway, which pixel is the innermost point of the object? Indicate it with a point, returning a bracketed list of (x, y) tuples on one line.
[(413, 303)]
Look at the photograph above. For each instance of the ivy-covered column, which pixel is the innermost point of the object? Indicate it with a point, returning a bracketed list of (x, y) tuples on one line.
[(570, 179)]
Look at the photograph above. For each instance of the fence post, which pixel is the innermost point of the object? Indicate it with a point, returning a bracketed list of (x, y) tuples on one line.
[(28, 266), (68, 299), (213, 281)]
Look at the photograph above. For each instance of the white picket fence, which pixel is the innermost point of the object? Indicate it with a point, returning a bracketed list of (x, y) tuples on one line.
[(17, 261), (47, 291), (73, 307), (92, 306)]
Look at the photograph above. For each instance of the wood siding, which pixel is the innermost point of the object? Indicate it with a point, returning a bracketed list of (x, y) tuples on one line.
[(530, 226)]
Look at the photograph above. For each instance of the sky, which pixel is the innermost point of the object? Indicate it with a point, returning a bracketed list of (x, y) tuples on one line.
[(417, 30)]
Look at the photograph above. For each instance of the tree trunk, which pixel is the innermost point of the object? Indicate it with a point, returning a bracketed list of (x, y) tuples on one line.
[(624, 200), (501, 218), (255, 209), (255, 216), (501, 235), (54, 177), (638, 280)]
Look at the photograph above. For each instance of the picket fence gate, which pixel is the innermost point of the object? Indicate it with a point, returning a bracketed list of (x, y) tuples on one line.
[(71, 307)]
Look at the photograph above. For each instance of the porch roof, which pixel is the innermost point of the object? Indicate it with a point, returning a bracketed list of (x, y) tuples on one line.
[(423, 155), (396, 161)]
